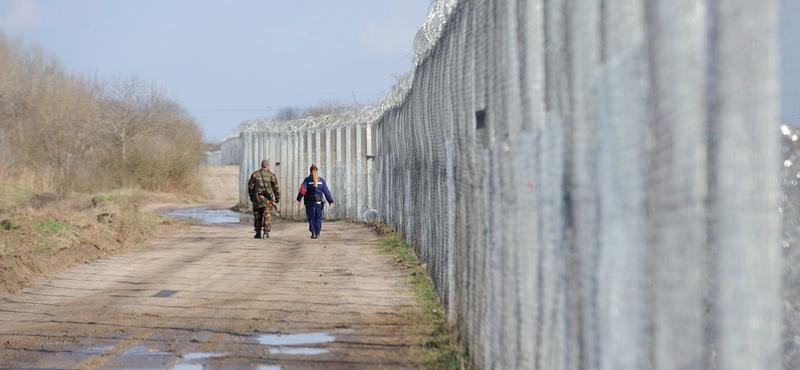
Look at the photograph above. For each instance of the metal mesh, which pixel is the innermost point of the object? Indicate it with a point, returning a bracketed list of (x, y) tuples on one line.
[(592, 185), (790, 209), (229, 153)]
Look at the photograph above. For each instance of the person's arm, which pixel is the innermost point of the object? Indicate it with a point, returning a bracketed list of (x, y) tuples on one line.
[(276, 192), (327, 192), (302, 191), (251, 188)]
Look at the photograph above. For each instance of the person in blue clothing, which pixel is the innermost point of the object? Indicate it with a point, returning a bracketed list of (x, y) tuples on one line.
[(312, 191)]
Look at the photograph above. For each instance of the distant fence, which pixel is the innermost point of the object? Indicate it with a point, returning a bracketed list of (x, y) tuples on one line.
[(341, 145), (592, 185), (230, 152), (214, 158)]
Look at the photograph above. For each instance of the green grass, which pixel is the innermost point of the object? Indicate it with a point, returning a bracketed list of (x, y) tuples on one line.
[(51, 226), (441, 344), (11, 194)]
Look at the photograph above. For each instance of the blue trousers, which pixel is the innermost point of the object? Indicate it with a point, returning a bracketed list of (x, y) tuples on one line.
[(315, 213)]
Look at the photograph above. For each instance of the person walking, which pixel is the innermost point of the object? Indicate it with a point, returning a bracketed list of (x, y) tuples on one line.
[(265, 195), (311, 192)]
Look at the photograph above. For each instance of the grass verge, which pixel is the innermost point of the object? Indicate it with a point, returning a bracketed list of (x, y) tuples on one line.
[(441, 344), (41, 234)]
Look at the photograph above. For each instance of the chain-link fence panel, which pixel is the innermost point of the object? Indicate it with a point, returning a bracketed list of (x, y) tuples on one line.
[(790, 210), (591, 185)]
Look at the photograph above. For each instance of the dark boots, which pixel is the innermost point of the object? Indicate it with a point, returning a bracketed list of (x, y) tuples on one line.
[(258, 234)]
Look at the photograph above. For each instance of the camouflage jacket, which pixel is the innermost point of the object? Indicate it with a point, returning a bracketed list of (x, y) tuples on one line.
[(263, 186)]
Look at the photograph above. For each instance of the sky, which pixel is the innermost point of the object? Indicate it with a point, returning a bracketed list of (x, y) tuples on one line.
[(233, 60), (229, 61)]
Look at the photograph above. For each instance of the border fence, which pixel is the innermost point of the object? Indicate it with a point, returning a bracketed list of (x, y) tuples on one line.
[(341, 144), (591, 184), (229, 153)]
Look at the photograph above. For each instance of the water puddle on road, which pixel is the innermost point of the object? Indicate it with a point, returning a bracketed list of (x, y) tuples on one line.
[(142, 351), (308, 351), (197, 356), (100, 349), (188, 367), (294, 339), (292, 344), (209, 216), (141, 357), (202, 355)]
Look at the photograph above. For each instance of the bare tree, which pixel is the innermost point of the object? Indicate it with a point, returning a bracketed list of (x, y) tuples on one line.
[(76, 133), (131, 110), (327, 107), (288, 113)]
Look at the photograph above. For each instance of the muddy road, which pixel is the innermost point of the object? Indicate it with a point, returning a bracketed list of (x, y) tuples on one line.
[(210, 296)]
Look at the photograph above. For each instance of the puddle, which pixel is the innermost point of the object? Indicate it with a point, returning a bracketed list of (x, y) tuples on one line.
[(164, 293), (287, 344), (294, 339), (297, 351), (210, 216), (57, 356), (187, 367), (100, 349), (144, 351), (142, 357), (202, 355)]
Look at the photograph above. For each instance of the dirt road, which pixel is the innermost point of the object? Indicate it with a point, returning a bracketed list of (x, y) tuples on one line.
[(211, 296)]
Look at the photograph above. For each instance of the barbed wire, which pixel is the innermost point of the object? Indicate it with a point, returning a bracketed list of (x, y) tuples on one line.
[(424, 42)]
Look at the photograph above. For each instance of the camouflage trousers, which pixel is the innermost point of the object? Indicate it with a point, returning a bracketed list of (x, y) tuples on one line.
[(262, 214)]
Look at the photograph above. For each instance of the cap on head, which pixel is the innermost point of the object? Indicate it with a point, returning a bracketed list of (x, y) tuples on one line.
[(265, 163)]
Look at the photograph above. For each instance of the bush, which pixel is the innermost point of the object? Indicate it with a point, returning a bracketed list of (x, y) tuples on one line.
[(61, 133)]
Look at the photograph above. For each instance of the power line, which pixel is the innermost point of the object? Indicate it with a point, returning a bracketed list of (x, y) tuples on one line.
[(233, 109)]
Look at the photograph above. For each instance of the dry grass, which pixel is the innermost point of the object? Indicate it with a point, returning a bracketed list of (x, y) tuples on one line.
[(441, 345), (41, 235), (64, 136)]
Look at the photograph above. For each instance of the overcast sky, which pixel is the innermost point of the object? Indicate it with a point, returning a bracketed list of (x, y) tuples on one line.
[(228, 61), (790, 61)]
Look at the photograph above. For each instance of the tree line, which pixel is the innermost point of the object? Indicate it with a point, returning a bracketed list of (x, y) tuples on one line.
[(61, 132)]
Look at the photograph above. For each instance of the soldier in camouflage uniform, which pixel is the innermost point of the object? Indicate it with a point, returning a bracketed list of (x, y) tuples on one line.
[(264, 194)]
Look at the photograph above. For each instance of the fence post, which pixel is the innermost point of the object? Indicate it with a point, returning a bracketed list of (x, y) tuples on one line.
[(328, 171), (341, 196), (290, 173), (359, 192), (242, 166), (370, 169), (348, 164), (299, 174), (317, 148)]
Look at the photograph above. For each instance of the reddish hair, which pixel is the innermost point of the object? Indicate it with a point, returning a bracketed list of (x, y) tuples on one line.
[(314, 173)]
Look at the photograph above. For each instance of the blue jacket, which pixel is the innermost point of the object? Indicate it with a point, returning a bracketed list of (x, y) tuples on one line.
[(317, 192)]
